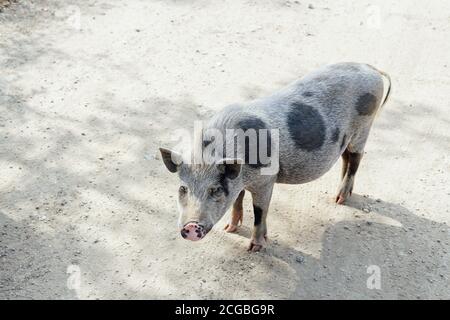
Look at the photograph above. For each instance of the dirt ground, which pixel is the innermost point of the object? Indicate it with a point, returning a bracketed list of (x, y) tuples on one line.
[(90, 89)]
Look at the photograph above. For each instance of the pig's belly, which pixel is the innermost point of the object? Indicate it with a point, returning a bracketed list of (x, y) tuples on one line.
[(306, 167)]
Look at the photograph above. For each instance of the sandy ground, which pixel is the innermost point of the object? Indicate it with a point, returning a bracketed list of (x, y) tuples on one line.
[(90, 89)]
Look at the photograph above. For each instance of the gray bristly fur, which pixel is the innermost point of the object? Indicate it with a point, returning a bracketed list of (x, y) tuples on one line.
[(318, 118)]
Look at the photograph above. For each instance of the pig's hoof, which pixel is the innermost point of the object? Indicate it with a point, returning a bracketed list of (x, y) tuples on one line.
[(340, 199), (257, 245), (253, 247), (230, 228)]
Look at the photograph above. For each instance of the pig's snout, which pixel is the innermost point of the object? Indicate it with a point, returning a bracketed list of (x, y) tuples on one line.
[(193, 231)]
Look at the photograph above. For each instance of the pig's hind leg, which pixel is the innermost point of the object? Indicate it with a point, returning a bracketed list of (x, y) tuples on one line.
[(350, 166), (351, 157), (237, 214)]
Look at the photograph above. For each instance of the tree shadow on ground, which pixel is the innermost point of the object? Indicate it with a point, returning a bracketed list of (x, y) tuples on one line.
[(413, 258), (30, 258)]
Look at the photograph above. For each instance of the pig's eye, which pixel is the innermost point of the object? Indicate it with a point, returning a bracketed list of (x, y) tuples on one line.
[(182, 190), (215, 192)]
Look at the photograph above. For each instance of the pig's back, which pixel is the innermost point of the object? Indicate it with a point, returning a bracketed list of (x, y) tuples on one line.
[(316, 117)]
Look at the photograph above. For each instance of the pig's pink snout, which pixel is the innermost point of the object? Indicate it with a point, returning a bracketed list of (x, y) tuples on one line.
[(192, 231)]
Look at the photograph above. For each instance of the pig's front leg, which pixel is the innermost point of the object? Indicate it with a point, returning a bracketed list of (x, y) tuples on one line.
[(261, 201), (236, 214)]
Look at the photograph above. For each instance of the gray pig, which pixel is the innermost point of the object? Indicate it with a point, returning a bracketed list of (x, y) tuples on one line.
[(307, 126)]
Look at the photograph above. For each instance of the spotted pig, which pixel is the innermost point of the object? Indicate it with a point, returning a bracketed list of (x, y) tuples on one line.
[(293, 136)]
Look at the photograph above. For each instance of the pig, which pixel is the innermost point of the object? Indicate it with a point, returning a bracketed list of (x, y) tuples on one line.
[(308, 126)]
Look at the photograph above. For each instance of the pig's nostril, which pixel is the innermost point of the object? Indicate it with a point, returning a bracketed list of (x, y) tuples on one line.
[(184, 233)]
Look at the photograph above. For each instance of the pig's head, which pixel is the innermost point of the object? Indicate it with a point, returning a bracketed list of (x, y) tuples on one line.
[(206, 192)]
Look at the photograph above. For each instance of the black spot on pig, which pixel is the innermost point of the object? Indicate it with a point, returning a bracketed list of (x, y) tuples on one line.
[(335, 136), (343, 141), (257, 125), (257, 211), (306, 127), (366, 104), (223, 181), (353, 162)]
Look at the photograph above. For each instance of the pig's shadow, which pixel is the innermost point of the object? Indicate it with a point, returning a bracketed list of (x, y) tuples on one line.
[(30, 259), (412, 259)]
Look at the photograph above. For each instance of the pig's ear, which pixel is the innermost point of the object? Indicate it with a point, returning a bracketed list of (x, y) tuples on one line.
[(231, 167), (171, 159)]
